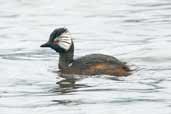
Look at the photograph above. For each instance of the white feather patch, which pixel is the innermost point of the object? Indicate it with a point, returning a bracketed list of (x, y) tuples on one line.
[(65, 40)]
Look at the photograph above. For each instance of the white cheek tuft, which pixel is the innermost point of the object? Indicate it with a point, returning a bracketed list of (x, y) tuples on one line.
[(65, 41)]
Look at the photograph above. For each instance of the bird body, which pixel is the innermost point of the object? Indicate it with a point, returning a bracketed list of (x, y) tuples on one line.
[(93, 64)]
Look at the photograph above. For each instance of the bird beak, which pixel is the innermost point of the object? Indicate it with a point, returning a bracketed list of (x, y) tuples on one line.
[(47, 44)]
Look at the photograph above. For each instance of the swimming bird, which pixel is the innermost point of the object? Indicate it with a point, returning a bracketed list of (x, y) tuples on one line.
[(93, 64)]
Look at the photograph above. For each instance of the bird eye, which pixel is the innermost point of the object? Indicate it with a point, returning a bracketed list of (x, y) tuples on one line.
[(56, 41)]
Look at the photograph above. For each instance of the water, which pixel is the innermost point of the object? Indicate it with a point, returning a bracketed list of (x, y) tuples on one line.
[(134, 31)]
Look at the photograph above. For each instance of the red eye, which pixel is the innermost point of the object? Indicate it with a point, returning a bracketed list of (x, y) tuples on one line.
[(56, 42)]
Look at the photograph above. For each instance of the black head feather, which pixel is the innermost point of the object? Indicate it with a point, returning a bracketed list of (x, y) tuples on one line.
[(57, 32)]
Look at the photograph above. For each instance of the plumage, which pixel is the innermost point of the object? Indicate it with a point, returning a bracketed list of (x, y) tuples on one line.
[(93, 64)]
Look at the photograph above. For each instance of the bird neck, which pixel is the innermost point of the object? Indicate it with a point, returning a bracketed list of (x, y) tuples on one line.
[(66, 58)]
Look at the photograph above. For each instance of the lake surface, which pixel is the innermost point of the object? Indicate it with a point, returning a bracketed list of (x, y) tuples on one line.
[(135, 31)]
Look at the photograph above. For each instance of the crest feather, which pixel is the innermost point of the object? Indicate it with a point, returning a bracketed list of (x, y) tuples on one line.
[(64, 40)]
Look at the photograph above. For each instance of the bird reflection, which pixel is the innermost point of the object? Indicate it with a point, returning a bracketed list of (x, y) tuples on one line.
[(66, 83), (69, 84)]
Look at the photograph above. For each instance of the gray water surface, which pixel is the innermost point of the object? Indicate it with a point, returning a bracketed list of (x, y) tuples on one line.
[(135, 31)]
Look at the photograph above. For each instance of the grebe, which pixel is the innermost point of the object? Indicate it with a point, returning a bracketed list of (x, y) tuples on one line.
[(94, 64)]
